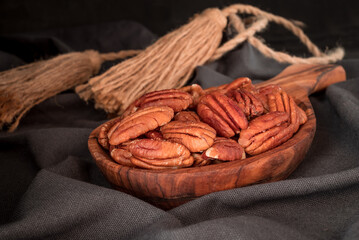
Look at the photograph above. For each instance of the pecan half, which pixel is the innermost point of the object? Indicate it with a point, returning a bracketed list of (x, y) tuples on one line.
[(154, 134), (269, 89), (263, 93), (121, 155), (280, 101), (221, 113), (266, 132), (302, 116), (247, 102), (159, 154), (187, 116), (243, 83), (196, 136), (102, 137), (225, 149), (176, 99), (195, 91), (199, 160), (138, 123)]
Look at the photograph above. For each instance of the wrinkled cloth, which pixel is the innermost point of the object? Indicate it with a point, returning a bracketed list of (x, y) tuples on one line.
[(52, 189)]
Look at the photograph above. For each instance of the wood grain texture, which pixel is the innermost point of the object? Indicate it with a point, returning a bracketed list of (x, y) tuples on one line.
[(170, 188)]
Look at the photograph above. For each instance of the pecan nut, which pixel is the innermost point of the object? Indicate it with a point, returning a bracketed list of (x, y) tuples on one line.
[(159, 154), (269, 89), (302, 116), (280, 101), (196, 136), (138, 123), (199, 160), (154, 134), (195, 91), (221, 113), (176, 99), (224, 149), (240, 83), (265, 132), (121, 155), (263, 93), (187, 116), (102, 137), (247, 102)]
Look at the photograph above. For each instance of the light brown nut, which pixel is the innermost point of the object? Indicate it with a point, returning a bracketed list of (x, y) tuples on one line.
[(274, 135), (262, 124), (278, 101), (187, 116), (247, 102), (196, 92), (121, 155), (159, 154), (269, 89), (199, 160), (154, 134), (271, 139), (266, 132), (138, 123), (221, 113), (196, 136), (263, 93), (224, 149), (176, 99), (102, 137), (302, 116), (281, 101), (242, 83)]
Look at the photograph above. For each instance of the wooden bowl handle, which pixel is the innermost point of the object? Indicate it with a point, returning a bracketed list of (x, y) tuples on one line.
[(302, 80)]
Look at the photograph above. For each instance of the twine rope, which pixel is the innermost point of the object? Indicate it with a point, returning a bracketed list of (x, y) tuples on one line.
[(248, 34), (260, 22), (170, 61), (118, 55), (167, 63), (243, 35), (248, 9)]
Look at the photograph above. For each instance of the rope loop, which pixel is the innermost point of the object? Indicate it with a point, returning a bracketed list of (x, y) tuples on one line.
[(261, 19)]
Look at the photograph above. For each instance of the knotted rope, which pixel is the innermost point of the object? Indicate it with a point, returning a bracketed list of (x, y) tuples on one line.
[(168, 63)]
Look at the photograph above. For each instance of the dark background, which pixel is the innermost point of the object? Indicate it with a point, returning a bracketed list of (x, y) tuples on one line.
[(328, 23), (51, 188)]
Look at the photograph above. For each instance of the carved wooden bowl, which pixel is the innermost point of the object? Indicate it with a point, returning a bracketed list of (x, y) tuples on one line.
[(170, 188)]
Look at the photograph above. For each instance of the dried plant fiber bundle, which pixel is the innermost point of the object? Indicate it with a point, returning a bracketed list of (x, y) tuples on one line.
[(23, 87), (167, 63), (170, 62)]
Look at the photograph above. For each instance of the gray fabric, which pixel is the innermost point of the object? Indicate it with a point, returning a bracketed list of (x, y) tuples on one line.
[(51, 188)]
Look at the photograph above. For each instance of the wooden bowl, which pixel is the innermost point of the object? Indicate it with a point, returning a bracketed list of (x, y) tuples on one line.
[(170, 188)]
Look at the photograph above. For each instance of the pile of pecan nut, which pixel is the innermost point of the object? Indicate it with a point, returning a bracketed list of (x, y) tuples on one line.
[(190, 127)]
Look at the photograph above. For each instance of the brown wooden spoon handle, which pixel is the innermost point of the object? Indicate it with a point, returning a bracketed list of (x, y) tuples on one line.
[(302, 80)]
